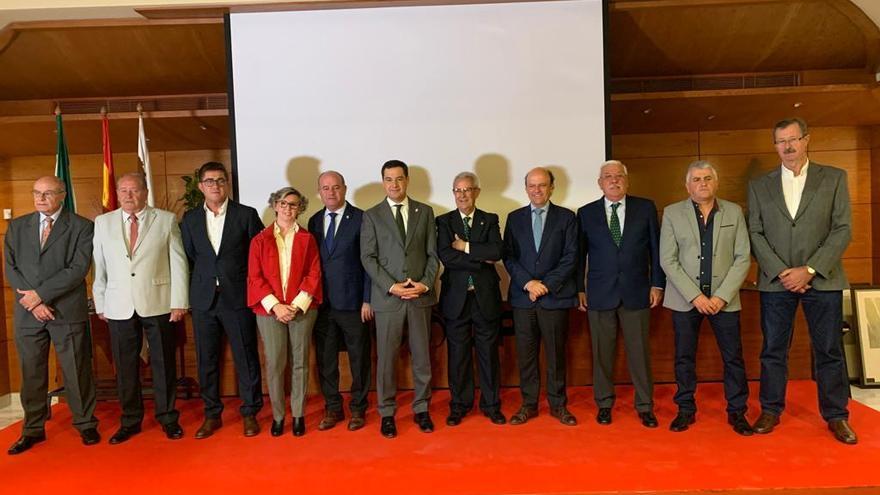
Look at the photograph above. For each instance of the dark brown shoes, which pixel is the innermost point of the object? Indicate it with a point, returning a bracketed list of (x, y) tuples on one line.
[(524, 414), (208, 428), (765, 423), (251, 427), (330, 419), (357, 421), (564, 416), (842, 431)]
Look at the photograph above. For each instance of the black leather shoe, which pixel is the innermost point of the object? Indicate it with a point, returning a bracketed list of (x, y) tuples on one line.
[(604, 416), (765, 423), (564, 416), (299, 426), (25, 443), (648, 419), (124, 433), (388, 428), (842, 431), (173, 431), (682, 421), (524, 414), (423, 419), (740, 424), (496, 417), (277, 428), (90, 436), (455, 417)]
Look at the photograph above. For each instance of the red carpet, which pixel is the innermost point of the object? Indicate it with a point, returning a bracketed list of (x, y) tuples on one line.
[(474, 458)]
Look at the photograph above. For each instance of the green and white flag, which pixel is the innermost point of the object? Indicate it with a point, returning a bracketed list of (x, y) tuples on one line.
[(62, 166)]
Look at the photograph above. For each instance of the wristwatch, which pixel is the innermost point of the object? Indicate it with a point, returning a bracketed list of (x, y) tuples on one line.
[(810, 270)]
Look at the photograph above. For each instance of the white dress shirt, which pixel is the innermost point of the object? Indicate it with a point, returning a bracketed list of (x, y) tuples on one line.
[(214, 223), (793, 187)]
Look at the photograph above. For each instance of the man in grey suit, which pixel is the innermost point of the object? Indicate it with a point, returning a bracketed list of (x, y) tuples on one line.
[(399, 253), (800, 224), (48, 255), (704, 250)]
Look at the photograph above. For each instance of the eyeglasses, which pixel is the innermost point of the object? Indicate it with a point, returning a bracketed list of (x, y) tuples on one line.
[(464, 190), (790, 141), (45, 194), (285, 204), (214, 182)]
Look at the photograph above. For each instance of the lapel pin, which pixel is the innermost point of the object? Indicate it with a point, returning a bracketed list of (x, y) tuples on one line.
[(416, 210)]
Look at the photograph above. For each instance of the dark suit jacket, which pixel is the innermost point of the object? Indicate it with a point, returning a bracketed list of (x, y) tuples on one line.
[(389, 260), (554, 264), (625, 274), (817, 236), (57, 272), (229, 265), (485, 245), (346, 284)]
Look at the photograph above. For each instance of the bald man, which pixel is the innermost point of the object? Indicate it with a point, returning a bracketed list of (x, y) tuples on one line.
[(48, 255)]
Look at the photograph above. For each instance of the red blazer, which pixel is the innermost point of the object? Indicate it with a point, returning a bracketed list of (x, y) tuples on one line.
[(264, 270)]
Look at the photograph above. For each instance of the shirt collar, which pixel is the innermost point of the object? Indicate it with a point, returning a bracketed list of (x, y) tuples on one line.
[(405, 202), (53, 216), (338, 212), (790, 175), (138, 214), (277, 230), (463, 216), (544, 208), (608, 202), (222, 207)]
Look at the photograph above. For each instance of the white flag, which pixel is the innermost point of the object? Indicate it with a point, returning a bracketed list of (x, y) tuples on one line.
[(144, 159)]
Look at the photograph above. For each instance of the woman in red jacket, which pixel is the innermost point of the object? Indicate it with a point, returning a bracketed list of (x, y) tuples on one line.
[(284, 290)]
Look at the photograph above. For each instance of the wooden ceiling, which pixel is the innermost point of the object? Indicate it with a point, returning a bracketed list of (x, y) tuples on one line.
[(826, 50)]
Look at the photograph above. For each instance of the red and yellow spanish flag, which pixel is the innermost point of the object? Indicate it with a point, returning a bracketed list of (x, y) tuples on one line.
[(108, 197)]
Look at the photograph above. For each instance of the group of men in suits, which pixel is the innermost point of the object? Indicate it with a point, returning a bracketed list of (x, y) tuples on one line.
[(611, 259)]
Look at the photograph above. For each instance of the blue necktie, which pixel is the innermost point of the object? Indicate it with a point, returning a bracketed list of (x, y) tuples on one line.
[(538, 227), (331, 233)]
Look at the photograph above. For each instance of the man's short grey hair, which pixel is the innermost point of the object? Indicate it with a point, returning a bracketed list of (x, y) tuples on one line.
[(475, 181), (331, 172), (286, 191), (700, 165), (138, 176), (608, 163)]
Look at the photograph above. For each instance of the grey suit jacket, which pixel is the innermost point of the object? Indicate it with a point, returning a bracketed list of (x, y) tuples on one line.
[(389, 260), (57, 271), (817, 236), (680, 254)]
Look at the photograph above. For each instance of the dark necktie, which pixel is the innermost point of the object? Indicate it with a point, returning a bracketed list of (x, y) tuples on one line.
[(398, 218), (467, 237), (330, 238), (614, 224)]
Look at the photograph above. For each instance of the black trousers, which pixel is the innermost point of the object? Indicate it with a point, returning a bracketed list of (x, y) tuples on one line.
[(332, 329), (240, 328), (470, 331), (73, 347), (531, 326), (634, 325), (126, 337)]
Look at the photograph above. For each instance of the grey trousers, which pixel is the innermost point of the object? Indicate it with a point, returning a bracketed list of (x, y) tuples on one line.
[(280, 343), (634, 324), (389, 334)]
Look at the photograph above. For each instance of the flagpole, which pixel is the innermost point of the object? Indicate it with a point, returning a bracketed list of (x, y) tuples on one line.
[(144, 155)]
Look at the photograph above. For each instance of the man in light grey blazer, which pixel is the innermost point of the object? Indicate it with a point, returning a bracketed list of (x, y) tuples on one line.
[(141, 288), (704, 250), (800, 225), (48, 255), (399, 253)]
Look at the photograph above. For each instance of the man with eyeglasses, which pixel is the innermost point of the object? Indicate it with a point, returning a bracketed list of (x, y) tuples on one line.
[(217, 238), (800, 225), (469, 241), (48, 255), (704, 250)]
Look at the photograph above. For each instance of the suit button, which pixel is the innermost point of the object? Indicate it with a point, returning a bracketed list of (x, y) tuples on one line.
[(794, 225), (132, 274)]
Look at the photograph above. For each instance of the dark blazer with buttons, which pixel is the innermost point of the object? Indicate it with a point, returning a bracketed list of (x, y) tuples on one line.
[(817, 236), (554, 263), (485, 245), (346, 284), (619, 275), (229, 265), (57, 271)]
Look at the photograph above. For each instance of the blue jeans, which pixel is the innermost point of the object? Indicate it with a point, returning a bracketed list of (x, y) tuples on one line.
[(727, 335), (824, 320)]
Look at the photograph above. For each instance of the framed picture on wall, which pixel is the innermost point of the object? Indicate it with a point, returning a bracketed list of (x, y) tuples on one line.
[(866, 304)]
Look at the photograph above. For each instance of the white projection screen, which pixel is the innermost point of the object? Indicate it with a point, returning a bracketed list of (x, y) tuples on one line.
[(495, 89)]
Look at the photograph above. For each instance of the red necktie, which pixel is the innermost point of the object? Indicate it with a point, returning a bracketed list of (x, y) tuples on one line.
[(46, 231), (133, 234)]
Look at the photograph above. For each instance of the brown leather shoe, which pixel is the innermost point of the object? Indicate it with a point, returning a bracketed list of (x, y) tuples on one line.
[(842, 431), (330, 419), (208, 428), (251, 427), (564, 416), (524, 414), (357, 421), (765, 423)]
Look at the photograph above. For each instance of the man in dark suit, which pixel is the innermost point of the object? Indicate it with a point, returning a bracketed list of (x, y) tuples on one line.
[(540, 254), (345, 311), (216, 238), (800, 225), (619, 251), (399, 253), (469, 243), (48, 255)]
